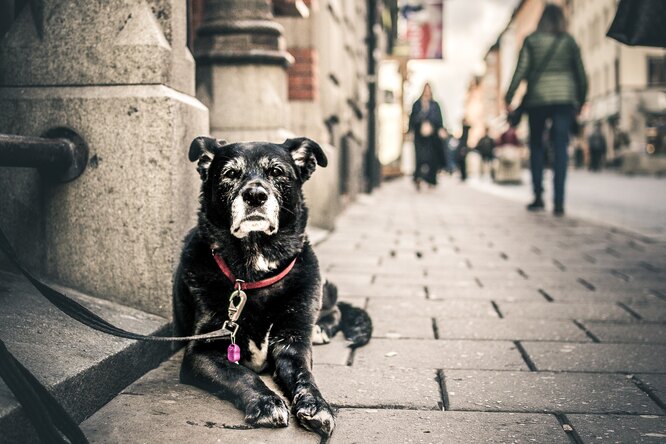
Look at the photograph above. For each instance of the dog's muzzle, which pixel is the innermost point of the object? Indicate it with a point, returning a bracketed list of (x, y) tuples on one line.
[(254, 209)]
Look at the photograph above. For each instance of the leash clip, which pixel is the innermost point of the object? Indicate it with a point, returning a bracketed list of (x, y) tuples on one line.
[(232, 328), (237, 301)]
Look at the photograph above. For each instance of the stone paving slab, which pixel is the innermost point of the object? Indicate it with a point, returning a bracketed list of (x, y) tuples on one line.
[(342, 279), (651, 311), (585, 296), (485, 293), (417, 327), (410, 291), (362, 426), (451, 309), (545, 392), (638, 332), (607, 358), (656, 384), (337, 352), (644, 429), (510, 330), (388, 387), (422, 353), (556, 310), (458, 282)]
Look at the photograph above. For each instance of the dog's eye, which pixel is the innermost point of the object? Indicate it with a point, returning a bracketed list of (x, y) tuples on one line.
[(276, 172), (231, 174)]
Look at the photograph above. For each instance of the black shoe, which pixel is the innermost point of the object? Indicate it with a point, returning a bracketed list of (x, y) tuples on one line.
[(558, 211), (537, 205)]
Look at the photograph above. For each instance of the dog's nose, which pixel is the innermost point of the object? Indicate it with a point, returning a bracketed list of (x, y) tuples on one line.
[(255, 196)]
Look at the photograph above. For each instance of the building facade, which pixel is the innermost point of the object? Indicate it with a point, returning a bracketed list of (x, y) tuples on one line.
[(627, 84), (121, 76)]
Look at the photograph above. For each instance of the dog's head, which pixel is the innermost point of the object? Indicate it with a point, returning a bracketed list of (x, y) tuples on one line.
[(256, 186)]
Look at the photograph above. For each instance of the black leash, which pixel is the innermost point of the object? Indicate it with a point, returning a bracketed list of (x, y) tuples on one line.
[(47, 416), (77, 311)]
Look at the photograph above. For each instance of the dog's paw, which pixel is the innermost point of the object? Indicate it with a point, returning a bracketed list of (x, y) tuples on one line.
[(320, 336), (268, 411), (315, 414)]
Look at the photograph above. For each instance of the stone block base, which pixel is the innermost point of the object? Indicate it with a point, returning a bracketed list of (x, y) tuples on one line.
[(116, 231)]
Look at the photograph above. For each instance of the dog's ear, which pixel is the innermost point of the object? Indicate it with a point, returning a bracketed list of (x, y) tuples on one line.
[(307, 154), (203, 149)]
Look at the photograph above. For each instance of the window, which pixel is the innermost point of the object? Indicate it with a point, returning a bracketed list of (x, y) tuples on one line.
[(657, 71)]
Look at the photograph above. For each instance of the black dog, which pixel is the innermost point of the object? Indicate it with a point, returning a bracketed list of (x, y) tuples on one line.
[(251, 227)]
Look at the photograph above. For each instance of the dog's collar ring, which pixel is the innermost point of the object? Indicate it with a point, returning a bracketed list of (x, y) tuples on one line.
[(239, 284)]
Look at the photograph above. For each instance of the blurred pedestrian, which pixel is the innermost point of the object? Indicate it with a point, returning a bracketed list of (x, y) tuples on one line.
[(425, 122), (579, 154), (444, 160), (485, 147), (451, 161), (508, 152), (597, 144), (551, 64), (463, 150), (509, 137)]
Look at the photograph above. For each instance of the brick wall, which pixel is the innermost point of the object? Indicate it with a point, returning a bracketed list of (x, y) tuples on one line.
[(303, 75)]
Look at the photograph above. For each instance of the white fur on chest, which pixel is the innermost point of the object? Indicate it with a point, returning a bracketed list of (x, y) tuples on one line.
[(262, 264), (259, 353)]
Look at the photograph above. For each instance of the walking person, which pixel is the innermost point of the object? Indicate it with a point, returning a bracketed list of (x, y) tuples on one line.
[(425, 122), (597, 144), (485, 147), (463, 150), (551, 64)]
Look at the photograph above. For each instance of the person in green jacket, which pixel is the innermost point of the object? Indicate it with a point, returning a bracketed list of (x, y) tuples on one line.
[(551, 64)]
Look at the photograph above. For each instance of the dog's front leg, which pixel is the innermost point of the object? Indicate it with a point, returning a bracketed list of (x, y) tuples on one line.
[(292, 355), (207, 367)]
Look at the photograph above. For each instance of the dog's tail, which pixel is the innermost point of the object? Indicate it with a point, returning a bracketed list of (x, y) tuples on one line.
[(354, 322)]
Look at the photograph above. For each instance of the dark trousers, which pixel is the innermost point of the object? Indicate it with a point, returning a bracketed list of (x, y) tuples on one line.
[(560, 116), (595, 160), (462, 166)]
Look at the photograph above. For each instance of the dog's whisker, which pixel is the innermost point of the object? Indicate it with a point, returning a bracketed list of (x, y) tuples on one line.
[(282, 207)]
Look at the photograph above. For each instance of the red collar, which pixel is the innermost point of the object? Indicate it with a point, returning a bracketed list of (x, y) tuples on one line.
[(251, 285)]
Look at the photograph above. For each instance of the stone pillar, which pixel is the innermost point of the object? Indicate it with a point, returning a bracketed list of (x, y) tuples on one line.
[(241, 70), (119, 74)]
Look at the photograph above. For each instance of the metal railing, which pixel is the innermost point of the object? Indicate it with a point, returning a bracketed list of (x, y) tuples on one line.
[(61, 156)]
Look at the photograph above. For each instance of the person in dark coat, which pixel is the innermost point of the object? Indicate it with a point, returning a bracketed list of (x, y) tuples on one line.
[(598, 147), (485, 147), (551, 63), (425, 122), (463, 150)]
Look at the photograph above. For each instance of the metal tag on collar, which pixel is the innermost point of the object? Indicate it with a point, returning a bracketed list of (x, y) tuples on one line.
[(237, 301)]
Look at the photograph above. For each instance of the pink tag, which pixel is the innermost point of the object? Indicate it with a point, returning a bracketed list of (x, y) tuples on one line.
[(233, 353)]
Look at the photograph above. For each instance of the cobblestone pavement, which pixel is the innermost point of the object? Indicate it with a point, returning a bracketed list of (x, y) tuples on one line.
[(491, 325)]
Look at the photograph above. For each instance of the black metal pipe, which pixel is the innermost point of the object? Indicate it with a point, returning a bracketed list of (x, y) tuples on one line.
[(371, 160), (62, 156)]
